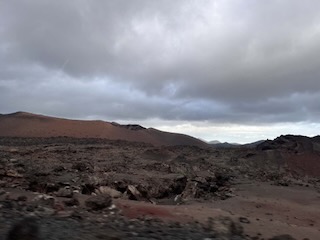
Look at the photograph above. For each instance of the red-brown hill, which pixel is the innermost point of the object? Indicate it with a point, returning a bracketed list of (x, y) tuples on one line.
[(299, 155), (22, 124)]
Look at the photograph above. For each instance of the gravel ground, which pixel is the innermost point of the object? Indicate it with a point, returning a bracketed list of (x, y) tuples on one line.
[(76, 169), (96, 226)]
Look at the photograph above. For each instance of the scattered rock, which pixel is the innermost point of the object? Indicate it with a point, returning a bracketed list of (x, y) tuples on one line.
[(98, 202), (13, 173), (225, 228), (208, 187), (72, 202), (22, 198), (88, 188), (108, 190), (65, 192), (2, 192), (81, 166), (283, 237), (44, 200), (133, 193), (26, 229), (106, 236), (178, 199), (58, 206), (244, 220), (59, 169)]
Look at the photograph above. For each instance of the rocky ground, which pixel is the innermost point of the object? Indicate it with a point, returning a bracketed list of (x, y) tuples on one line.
[(100, 189)]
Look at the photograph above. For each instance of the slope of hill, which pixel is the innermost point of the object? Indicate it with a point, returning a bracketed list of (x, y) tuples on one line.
[(225, 145), (299, 155), (253, 144), (22, 124)]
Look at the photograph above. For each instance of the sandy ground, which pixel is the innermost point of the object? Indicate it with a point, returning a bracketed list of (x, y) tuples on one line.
[(270, 210), (263, 210)]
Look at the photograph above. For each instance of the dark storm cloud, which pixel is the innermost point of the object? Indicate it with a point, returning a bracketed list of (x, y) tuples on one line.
[(221, 61)]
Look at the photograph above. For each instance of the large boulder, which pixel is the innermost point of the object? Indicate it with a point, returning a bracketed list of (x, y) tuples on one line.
[(108, 190), (65, 192), (99, 202)]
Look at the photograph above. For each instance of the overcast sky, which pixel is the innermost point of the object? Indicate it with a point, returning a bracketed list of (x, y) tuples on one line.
[(231, 70)]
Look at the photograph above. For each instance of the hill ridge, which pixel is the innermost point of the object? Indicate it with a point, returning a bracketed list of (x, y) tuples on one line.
[(24, 124)]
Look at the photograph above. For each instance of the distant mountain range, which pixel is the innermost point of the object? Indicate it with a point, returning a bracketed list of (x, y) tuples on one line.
[(218, 144)]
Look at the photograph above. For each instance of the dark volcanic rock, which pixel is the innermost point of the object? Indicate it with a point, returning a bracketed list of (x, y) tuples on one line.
[(99, 202), (81, 166), (72, 202), (64, 192), (283, 237), (26, 229), (296, 155)]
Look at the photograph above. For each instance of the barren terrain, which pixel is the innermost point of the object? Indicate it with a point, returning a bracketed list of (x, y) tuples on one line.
[(154, 192), (67, 179), (23, 124)]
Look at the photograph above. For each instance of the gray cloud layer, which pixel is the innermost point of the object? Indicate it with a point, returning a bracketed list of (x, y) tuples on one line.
[(222, 61)]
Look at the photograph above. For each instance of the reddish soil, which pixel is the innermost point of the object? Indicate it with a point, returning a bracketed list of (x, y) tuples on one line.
[(23, 124), (299, 155), (140, 209), (270, 210), (307, 163)]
